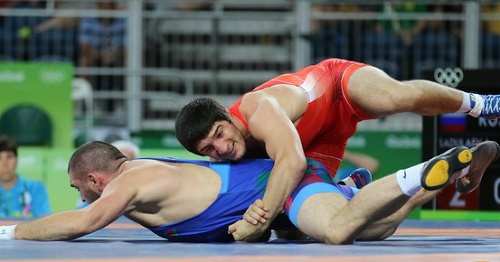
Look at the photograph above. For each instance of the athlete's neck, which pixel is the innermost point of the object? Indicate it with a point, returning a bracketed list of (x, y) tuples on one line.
[(240, 126)]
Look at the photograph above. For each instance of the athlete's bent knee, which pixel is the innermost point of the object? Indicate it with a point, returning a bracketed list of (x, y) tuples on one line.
[(339, 238)]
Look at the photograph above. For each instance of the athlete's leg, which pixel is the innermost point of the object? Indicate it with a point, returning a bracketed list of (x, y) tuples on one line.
[(385, 227), (330, 218), (483, 155), (379, 95)]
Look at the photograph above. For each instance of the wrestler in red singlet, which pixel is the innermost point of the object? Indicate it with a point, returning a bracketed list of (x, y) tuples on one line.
[(330, 118)]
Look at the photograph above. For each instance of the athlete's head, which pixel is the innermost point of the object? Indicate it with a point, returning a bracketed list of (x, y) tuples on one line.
[(204, 127), (91, 166)]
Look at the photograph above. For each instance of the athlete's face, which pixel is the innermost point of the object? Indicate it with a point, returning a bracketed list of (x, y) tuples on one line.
[(86, 186), (223, 142)]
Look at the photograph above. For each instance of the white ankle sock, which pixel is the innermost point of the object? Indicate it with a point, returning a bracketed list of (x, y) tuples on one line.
[(409, 179), (349, 182), (466, 103), (473, 108)]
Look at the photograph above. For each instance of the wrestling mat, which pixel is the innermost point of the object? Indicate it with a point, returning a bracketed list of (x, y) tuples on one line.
[(415, 240)]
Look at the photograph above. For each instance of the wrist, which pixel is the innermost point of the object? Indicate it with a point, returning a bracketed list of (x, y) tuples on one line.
[(7, 232)]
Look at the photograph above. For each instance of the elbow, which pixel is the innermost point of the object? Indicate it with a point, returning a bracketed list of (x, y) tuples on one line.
[(84, 229), (300, 165), (76, 232)]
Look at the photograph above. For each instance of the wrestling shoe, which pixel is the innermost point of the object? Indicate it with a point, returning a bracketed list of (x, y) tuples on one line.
[(483, 154), (491, 106), (358, 178), (440, 170)]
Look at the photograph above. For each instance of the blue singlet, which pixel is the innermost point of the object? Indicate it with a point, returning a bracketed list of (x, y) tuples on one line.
[(242, 183)]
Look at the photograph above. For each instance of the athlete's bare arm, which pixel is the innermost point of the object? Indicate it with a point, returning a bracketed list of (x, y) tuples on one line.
[(269, 115), (76, 223), (142, 192)]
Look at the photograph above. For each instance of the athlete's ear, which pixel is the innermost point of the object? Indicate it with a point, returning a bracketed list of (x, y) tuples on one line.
[(93, 178)]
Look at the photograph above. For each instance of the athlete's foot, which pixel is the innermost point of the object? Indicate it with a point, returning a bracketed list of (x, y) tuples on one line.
[(440, 170), (358, 178), (483, 155), (491, 106)]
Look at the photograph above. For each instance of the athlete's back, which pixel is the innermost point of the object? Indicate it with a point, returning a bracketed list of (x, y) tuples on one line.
[(195, 201)]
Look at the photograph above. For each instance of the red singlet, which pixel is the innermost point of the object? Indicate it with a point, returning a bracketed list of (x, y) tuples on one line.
[(330, 118)]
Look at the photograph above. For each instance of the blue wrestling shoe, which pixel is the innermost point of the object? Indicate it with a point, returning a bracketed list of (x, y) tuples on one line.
[(491, 106), (440, 170), (483, 154), (361, 177)]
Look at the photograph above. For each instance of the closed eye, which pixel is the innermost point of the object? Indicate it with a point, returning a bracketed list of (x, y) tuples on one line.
[(206, 150)]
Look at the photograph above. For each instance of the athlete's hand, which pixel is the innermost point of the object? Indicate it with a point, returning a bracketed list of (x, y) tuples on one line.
[(256, 212), (244, 231)]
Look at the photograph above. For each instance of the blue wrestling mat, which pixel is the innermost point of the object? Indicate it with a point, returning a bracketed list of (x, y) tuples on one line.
[(416, 240)]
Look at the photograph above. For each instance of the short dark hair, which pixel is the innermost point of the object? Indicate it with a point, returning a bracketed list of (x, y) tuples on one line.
[(8, 144), (195, 119), (95, 156)]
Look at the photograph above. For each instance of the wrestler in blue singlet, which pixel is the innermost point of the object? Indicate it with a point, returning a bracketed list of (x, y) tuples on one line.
[(242, 183)]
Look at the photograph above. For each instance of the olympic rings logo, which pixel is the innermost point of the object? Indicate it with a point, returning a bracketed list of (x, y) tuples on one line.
[(448, 76), (49, 76)]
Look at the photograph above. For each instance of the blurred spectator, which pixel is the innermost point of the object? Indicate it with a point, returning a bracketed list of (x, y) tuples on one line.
[(490, 39), (406, 29), (19, 197), (60, 22), (183, 5), (23, 4), (102, 44), (491, 26), (129, 149), (16, 30), (56, 37), (437, 44), (332, 38)]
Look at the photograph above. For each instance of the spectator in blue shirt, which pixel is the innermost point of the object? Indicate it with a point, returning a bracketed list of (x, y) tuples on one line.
[(101, 43), (19, 197), (102, 39)]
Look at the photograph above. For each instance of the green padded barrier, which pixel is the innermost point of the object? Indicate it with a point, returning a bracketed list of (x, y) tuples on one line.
[(459, 215), (31, 163), (27, 124), (61, 195), (46, 85)]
